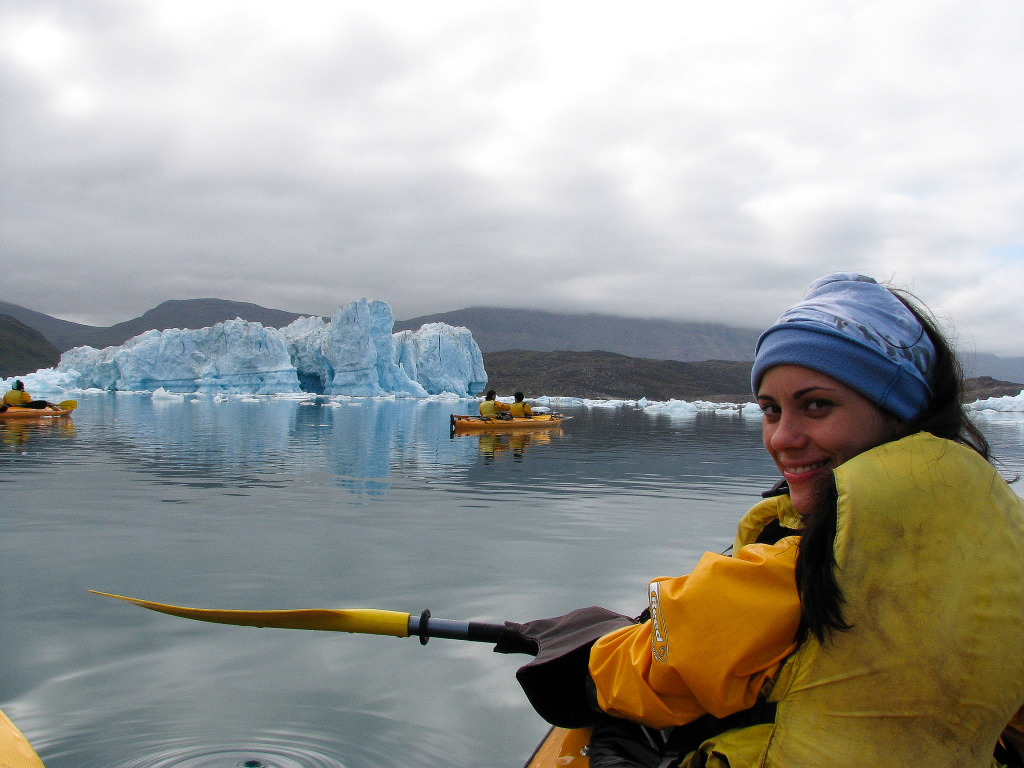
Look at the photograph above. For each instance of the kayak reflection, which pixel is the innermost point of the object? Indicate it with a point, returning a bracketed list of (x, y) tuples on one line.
[(17, 433), (495, 442)]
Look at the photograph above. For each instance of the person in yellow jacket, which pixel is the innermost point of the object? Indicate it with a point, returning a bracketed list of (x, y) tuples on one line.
[(17, 395), (491, 407), (872, 610), (520, 408)]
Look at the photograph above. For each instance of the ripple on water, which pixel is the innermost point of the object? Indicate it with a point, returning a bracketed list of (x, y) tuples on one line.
[(235, 758)]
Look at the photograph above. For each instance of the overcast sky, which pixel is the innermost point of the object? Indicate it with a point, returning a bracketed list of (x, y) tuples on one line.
[(662, 159)]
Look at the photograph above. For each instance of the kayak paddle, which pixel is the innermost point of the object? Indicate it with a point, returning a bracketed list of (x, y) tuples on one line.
[(363, 621), (68, 405)]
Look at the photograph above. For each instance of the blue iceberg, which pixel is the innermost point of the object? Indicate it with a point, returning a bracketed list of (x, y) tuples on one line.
[(355, 354)]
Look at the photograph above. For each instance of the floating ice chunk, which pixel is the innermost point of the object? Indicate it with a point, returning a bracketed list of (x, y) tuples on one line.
[(751, 411), (674, 409), (1006, 404), (46, 381), (162, 394)]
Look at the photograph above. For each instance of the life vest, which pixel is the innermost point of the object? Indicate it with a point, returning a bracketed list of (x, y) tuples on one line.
[(16, 397), (930, 558), (519, 410), (491, 408)]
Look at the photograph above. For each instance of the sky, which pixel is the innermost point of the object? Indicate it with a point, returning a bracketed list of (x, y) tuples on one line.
[(694, 161)]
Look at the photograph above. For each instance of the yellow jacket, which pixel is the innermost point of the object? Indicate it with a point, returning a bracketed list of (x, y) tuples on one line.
[(930, 558), (491, 408), (16, 397), (521, 409)]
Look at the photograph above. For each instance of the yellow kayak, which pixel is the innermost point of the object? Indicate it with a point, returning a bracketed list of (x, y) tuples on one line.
[(562, 748), (15, 751), (482, 423), (17, 412)]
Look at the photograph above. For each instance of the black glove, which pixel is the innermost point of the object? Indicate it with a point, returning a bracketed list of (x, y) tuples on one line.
[(556, 681)]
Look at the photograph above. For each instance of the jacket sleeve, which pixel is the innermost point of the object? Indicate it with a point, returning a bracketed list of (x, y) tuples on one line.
[(714, 638)]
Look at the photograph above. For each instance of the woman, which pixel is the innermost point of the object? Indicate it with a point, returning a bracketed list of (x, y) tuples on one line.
[(873, 609)]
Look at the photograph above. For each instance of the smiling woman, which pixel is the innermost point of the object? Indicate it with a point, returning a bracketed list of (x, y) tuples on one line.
[(812, 424), (856, 622)]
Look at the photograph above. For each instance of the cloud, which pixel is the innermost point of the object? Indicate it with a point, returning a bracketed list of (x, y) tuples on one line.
[(672, 161)]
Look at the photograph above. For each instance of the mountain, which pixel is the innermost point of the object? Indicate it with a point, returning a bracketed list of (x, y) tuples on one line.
[(23, 349), (497, 330), (987, 364), (187, 313)]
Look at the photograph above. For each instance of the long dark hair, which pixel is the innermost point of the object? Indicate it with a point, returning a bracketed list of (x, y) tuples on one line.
[(821, 598)]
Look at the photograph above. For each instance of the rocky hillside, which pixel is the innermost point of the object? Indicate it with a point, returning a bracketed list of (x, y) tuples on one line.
[(23, 349), (605, 375)]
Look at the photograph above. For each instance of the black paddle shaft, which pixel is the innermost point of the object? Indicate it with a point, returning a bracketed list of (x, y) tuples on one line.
[(425, 628)]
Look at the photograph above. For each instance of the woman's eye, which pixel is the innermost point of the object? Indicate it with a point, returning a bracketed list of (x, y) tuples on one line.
[(771, 411), (818, 405)]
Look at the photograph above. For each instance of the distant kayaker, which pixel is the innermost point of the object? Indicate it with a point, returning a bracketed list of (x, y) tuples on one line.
[(491, 407), (19, 397), (519, 408), (872, 610)]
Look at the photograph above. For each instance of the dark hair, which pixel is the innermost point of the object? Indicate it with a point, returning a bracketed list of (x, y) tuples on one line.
[(821, 598), (18, 384), (491, 394), (944, 415), (518, 396)]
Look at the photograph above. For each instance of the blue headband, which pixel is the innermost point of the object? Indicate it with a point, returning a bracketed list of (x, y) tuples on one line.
[(856, 331)]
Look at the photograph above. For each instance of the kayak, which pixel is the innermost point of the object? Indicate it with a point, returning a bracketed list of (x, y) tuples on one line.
[(15, 751), (483, 423), (15, 412), (562, 748)]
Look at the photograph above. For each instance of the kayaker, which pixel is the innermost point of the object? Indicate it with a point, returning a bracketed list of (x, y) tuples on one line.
[(872, 610), (491, 407), (519, 408), (17, 396)]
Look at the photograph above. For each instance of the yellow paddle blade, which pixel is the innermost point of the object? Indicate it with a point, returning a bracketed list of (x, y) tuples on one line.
[(364, 621), (68, 405)]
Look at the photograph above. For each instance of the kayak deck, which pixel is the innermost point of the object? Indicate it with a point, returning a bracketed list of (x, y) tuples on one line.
[(17, 412), (482, 423), (15, 751), (562, 748)]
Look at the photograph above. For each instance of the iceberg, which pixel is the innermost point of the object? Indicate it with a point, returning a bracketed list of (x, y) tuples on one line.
[(442, 358), (1005, 404), (355, 354), (360, 349), (235, 356)]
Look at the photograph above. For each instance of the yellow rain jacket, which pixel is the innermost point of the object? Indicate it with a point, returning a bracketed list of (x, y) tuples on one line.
[(519, 410), (16, 397), (491, 408), (930, 558)]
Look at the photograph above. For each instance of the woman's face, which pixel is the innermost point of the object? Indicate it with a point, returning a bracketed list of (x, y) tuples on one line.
[(812, 424)]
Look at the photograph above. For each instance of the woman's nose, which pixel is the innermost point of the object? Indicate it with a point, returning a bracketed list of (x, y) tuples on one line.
[(788, 434)]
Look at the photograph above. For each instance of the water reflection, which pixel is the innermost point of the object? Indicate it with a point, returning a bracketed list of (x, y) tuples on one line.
[(15, 433), (494, 443)]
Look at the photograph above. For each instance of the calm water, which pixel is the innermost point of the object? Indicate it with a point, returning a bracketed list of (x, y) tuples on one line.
[(284, 504)]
